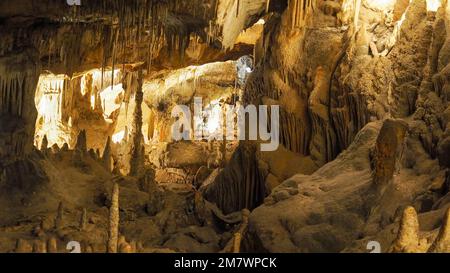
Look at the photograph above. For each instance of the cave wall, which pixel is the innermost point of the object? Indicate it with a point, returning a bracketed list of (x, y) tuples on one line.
[(19, 74), (333, 78), (49, 37), (383, 109), (87, 101), (335, 67)]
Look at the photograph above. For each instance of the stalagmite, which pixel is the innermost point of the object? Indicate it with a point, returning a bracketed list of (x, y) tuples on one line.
[(126, 135), (55, 148), (133, 246), (113, 230), (88, 249), (137, 160), (65, 147), (59, 221), (234, 245), (344, 168), (442, 242), (52, 245), (22, 246), (39, 246), (106, 158), (44, 144), (92, 154), (83, 219), (361, 46), (237, 242), (407, 240), (81, 146), (388, 152), (124, 246)]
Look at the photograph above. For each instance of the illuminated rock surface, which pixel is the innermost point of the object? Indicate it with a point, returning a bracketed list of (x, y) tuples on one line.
[(86, 101)]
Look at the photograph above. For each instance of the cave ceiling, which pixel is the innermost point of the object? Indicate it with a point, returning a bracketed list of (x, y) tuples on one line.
[(69, 39)]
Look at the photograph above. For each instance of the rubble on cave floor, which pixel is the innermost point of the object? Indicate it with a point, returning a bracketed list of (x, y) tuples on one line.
[(72, 203)]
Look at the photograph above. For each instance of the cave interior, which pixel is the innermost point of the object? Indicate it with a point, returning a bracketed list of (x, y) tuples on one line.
[(89, 153)]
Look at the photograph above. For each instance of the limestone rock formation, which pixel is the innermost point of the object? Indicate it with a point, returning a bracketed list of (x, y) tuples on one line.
[(239, 185), (83, 219), (410, 239), (442, 241), (408, 234), (137, 156), (113, 229), (107, 155), (81, 145), (59, 220), (44, 144), (88, 103), (388, 151), (19, 73)]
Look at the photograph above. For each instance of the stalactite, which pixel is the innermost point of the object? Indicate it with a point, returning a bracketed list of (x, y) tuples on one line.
[(237, 8), (300, 12), (13, 90), (293, 3), (293, 134), (114, 59), (240, 184), (357, 10)]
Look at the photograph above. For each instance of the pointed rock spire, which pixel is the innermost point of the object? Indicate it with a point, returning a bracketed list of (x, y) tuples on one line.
[(44, 144), (81, 145), (59, 221), (442, 242), (83, 219), (113, 231), (407, 240), (106, 158)]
